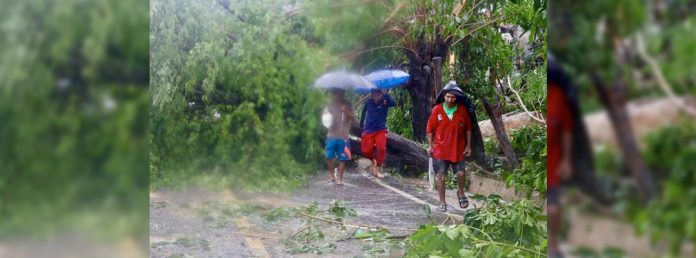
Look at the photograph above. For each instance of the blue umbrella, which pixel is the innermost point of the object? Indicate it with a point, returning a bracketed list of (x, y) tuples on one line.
[(386, 79)]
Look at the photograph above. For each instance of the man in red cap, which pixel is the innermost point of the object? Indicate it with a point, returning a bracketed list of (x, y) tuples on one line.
[(449, 134)]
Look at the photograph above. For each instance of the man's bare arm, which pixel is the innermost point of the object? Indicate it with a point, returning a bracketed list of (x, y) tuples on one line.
[(430, 143), (467, 151)]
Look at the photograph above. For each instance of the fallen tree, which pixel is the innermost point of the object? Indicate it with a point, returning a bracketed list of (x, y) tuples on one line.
[(409, 157)]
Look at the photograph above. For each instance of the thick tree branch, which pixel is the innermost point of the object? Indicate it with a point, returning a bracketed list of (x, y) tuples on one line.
[(540, 120), (664, 85)]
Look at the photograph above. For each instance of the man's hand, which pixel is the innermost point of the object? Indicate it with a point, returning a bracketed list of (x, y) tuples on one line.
[(564, 170), (430, 151), (467, 151), (344, 108)]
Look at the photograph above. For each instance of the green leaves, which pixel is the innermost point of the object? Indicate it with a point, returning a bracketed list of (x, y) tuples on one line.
[(231, 95), (310, 236), (489, 231), (531, 175), (73, 101), (340, 211), (671, 152)]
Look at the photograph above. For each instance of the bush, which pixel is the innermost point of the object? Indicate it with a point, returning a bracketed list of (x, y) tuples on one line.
[(672, 152), (530, 142)]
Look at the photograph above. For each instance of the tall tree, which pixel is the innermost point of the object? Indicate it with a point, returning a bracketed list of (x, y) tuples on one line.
[(596, 45)]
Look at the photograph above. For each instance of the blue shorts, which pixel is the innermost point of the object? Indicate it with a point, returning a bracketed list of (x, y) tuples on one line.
[(335, 148)]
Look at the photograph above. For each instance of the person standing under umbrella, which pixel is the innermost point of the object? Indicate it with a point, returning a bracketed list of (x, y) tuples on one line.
[(373, 121), (341, 111), (449, 137)]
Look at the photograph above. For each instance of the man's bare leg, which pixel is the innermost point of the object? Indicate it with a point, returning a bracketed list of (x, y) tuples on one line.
[(373, 165), (330, 164), (378, 172), (441, 188), (554, 212), (341, 169), (461, 182)]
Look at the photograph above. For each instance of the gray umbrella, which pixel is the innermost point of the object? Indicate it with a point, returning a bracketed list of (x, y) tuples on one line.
[(343, 80)]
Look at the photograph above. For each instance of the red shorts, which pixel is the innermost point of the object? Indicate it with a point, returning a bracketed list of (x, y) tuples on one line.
[(369, 141)]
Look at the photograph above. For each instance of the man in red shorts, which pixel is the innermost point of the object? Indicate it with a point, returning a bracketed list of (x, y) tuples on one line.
[(449, 134), (374, 123)]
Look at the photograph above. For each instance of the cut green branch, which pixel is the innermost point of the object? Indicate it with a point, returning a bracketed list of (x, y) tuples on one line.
[(352, 226)]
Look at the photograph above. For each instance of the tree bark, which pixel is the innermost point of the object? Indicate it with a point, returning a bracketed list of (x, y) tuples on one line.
[(422, 75), (496, 116), (419, 90), (437, 79), (614, 100)]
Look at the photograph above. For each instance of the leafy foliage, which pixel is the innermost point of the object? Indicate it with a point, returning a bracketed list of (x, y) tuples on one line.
[(676, 64), (531, 175), (73, 105), (339, 211), (530, 144), (314, 222), (400, 117), (497, 229), (672, 152), (231, 94), (532, 89), (571, 44)]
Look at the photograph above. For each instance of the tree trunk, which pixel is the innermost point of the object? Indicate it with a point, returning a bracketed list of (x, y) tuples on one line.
[(419, 89), (614, 101), (420, 86), (421, 112), (496, 116), (437, 79)]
